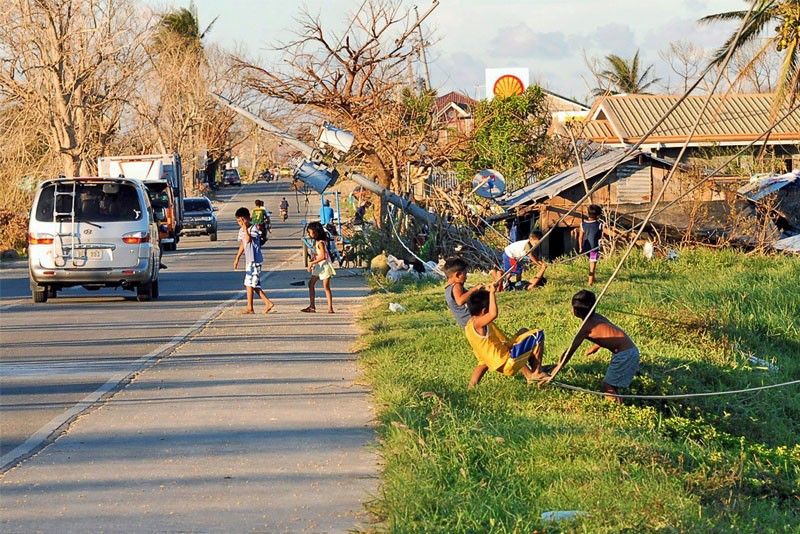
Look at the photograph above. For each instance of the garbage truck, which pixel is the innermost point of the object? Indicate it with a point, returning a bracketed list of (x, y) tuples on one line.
[(162, 175)]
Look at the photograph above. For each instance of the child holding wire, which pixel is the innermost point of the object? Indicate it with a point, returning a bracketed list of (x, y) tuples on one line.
[(513, 257)]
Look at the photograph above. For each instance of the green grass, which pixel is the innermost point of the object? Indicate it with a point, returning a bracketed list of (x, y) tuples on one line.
[(493, 459)]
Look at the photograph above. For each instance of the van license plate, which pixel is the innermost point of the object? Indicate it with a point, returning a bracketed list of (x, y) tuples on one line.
[(94, 254)]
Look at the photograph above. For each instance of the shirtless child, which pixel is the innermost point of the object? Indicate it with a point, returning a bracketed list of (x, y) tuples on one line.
[(605, 335)]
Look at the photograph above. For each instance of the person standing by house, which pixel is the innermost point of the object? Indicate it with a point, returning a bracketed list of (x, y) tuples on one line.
[(589, 236), (326, 213)]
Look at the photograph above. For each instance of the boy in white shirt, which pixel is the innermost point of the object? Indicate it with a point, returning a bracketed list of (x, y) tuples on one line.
[(517, 251)]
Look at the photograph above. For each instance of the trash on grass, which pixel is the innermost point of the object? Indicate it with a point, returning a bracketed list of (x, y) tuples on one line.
[(396, 307), (561, 515), (762, 364)]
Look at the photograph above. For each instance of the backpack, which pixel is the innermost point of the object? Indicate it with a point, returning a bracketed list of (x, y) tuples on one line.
[(262, 234)]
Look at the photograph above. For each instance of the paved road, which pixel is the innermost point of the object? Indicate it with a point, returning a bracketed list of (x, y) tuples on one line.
[(248, 423), (57, 353)]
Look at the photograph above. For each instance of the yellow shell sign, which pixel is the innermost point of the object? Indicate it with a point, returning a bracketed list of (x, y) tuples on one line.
[(508, 85)]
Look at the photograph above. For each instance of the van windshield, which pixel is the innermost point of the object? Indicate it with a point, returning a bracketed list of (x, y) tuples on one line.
[(94, 202)]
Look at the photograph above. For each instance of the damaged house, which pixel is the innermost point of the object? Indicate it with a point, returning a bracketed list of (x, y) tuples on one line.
[(633, 181)]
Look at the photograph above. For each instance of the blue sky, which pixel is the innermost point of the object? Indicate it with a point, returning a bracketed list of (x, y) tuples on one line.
[(550, 37)]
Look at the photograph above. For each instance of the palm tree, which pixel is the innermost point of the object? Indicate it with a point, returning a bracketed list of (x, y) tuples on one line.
[(622, 76), (786, 40), (183, 23)]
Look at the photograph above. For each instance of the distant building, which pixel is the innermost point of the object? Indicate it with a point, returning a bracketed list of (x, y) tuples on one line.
[(731, 120), (453, 112), (563, 109)]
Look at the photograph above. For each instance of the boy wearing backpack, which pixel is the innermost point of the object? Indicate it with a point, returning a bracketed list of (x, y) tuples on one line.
[(250, 247), (261, 220)]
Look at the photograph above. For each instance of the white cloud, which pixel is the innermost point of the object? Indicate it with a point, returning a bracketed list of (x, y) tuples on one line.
[(521, 41)]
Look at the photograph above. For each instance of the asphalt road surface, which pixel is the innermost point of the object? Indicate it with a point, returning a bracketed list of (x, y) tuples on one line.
[(56, 354), (181, 414)]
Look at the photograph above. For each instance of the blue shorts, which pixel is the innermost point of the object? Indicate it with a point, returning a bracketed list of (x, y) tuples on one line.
[(527, 344), (252, 276), (510, 265)]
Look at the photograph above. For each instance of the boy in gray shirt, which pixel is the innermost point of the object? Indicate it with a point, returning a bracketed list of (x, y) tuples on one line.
[(454, 293)]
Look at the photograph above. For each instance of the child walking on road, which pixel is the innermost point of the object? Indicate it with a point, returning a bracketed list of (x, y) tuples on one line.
[(320, 267), (251, 249)]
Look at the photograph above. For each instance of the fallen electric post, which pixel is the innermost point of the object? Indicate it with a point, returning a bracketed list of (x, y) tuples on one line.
[(315, 173)]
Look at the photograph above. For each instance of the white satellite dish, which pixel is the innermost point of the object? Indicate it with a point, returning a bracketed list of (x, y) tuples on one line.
[(488, 183)]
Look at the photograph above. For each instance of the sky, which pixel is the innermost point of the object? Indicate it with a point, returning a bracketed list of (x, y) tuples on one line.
[(549, 37)]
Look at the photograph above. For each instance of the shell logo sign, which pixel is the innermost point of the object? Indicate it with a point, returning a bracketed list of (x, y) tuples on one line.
[(502, 83)]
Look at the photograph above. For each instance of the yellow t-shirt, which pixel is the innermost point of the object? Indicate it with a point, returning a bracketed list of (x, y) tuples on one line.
[(491, 349)]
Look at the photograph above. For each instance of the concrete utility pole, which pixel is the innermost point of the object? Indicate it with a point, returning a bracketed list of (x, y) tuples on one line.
[(409, 207), (421, 50)]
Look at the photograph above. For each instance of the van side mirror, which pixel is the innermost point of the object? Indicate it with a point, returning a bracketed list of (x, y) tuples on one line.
[(214, 208)]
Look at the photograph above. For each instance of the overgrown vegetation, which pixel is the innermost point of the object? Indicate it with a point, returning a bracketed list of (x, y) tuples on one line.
[(495, 458), (511, 137)]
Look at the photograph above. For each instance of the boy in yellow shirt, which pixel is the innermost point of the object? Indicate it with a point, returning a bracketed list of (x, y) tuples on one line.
[(491, 346)]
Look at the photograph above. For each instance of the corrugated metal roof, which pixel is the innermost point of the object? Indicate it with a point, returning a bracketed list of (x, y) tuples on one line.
[(789, 244), (732, 117), (599, 131), (759, 188), (554, 185)]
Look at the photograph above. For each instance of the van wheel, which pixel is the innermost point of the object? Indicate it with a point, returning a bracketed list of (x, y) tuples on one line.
[(39, 293), (213, 237), (144, 292)]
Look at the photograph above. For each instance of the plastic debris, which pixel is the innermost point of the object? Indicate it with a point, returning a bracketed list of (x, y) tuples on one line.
[(561, 515), (762, 364), (649, 250), (396, 307), (672, 254)]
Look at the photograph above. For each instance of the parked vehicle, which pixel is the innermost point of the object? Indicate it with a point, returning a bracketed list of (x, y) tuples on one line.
[(231, 177), (155, 170), (266, 176), (93, 232), (199, 217)]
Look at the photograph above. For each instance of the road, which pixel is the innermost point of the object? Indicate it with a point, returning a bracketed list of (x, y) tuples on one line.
[(56, 354), (97, 386)]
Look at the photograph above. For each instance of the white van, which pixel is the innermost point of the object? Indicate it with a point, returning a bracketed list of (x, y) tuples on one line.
[(93, 232)]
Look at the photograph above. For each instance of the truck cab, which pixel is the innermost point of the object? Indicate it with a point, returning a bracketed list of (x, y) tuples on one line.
[(163, 201)]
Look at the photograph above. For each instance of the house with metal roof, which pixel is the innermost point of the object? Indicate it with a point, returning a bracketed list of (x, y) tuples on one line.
[(731, 120), (630, 181)]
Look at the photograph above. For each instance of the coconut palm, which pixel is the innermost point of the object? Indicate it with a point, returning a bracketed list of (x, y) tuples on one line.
[(785, 14), (623, 76), (183, 23)]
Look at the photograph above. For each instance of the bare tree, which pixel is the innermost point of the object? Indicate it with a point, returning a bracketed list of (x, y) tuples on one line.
[(686, 60), (359, 81), (71, 66)]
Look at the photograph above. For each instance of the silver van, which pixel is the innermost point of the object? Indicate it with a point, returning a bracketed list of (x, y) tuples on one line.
[(93, 232)]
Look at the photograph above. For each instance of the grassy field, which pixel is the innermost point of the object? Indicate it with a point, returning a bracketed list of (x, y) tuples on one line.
[(493, 459)]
